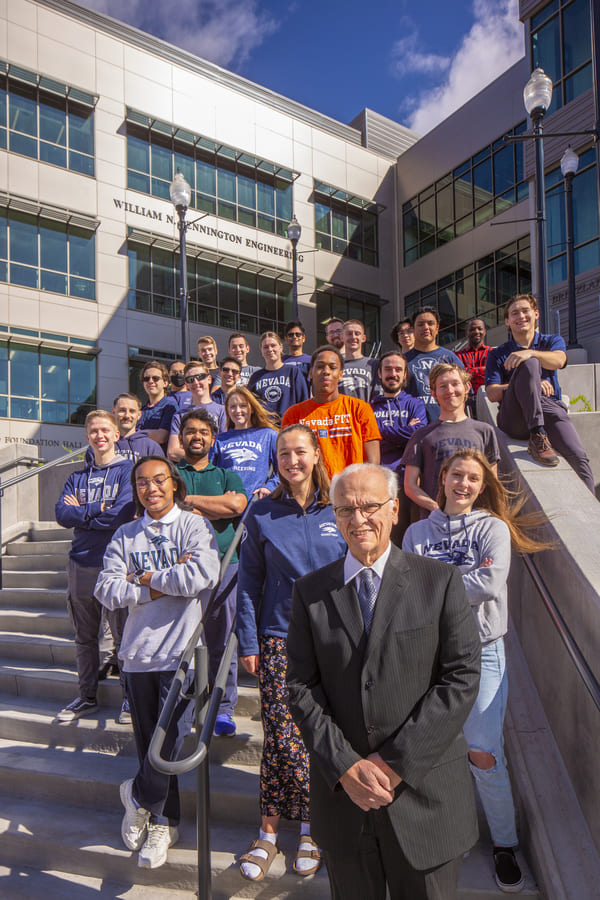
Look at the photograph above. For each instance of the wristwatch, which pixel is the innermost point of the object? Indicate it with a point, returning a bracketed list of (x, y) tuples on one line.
[(137, 575)]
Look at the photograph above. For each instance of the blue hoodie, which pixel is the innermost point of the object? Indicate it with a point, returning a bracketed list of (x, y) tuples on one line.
[(281, 543), (95, 486), (251, 453), (393, 415)]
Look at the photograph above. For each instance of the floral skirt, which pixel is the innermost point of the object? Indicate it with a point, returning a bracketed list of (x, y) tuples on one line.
[(284, 769)]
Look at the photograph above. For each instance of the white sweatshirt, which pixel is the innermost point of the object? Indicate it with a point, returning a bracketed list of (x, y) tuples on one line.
[(465, 541), (157, 631)]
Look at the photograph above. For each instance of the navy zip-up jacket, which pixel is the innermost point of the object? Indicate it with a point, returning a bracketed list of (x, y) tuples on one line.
[(281, 542), (93, 528)]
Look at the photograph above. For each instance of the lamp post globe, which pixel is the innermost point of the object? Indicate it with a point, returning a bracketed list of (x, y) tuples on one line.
[(180, 192), (181, 196), (294, 230), (569, 162), (537, 93)]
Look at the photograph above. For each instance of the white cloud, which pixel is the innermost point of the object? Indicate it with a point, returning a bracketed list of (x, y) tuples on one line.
[(222, 31), (408, 58), (494, 42)]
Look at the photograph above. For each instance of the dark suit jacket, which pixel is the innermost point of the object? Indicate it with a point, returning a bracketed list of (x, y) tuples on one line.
[(405, 692)]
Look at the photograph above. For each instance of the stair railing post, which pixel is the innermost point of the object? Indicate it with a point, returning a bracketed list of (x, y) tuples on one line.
[(202, 779)]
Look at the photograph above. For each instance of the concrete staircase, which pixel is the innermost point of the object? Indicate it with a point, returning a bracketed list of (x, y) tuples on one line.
[(59, 803)]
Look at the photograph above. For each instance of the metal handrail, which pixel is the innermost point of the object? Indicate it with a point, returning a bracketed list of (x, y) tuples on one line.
[(22, 461), (585, 673), (38, 471)]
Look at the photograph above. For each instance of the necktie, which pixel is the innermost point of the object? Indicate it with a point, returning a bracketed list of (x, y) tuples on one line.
[(367, 596)]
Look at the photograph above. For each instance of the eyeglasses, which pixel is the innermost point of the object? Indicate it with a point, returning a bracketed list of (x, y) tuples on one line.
[(297, 334), (190, 379), (227, 370), (144, 483), (152, 378), (366, 509)]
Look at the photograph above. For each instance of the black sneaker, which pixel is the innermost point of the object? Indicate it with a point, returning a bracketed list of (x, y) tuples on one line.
[(509, 877), (79, 707)]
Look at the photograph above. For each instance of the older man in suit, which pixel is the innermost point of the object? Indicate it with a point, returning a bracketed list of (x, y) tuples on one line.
[(383, 668)]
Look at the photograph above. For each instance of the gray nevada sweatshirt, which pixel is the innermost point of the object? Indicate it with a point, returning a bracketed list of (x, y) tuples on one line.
[(157, 631), (465, 541)]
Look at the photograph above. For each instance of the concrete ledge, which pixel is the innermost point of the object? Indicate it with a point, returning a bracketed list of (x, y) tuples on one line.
[(552, 825), (571, 575)]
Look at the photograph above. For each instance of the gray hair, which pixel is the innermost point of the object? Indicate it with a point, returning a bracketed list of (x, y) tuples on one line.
[(390, 477)]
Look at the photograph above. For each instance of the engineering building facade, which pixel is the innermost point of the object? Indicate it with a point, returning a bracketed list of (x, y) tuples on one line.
[(95, 119)]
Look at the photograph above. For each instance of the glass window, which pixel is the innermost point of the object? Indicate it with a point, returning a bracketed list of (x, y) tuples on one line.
[(23, 239), (481, 187), (24, 371), (53, 121), (82, 381), (55, 375), (576, 34), (47, 126), (53, 246)]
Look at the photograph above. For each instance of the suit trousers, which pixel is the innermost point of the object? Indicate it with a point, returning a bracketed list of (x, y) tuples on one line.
[(380, 863)]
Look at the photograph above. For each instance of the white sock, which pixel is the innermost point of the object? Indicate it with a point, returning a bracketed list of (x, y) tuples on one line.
[(305, 862), (249, 869)]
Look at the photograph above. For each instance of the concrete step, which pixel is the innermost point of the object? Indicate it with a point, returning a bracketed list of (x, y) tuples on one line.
[(33, 720), (42, 579), (90, 779), (60, 686), (40, 598), (37, 648), (35, 562), (59, 548), (22, 883), (49, 531), (91, 846), (36, 621)]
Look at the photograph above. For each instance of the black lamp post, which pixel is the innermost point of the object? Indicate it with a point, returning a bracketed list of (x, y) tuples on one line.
[(568, 166), (294, 230), (537, 96), (181, 195)]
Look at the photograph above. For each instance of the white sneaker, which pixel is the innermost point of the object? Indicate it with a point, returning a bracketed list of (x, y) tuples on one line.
[(135, 820), (154, 852)]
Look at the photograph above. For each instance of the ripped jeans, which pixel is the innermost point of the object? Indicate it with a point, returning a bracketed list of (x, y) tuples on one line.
[(483, 731)]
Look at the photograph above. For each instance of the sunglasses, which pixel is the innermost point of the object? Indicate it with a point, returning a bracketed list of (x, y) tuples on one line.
[(227, 370), (152, 378), (190, 379)]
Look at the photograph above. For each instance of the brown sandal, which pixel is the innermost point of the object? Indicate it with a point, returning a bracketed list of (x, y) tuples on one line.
[(263, 864), (308, 854)]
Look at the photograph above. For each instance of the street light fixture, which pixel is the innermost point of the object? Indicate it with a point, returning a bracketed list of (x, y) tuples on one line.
[(537, 96), (181, 196), (294, 230), (568, 166)]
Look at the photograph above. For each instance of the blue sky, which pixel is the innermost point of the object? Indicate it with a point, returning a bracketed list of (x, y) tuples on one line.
[(415, 62)]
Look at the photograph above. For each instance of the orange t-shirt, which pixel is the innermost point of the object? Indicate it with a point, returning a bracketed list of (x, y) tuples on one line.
[(341, 428)]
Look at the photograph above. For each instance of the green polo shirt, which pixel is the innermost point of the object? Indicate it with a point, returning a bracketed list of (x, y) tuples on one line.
[(213, 482)]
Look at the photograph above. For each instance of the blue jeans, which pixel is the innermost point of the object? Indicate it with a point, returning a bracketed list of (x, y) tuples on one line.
[(483, 731)]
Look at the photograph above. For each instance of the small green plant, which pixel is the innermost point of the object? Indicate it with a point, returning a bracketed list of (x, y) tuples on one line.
[(586, 406)]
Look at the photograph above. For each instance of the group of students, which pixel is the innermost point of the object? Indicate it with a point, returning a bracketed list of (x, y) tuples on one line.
[(154, 573)]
